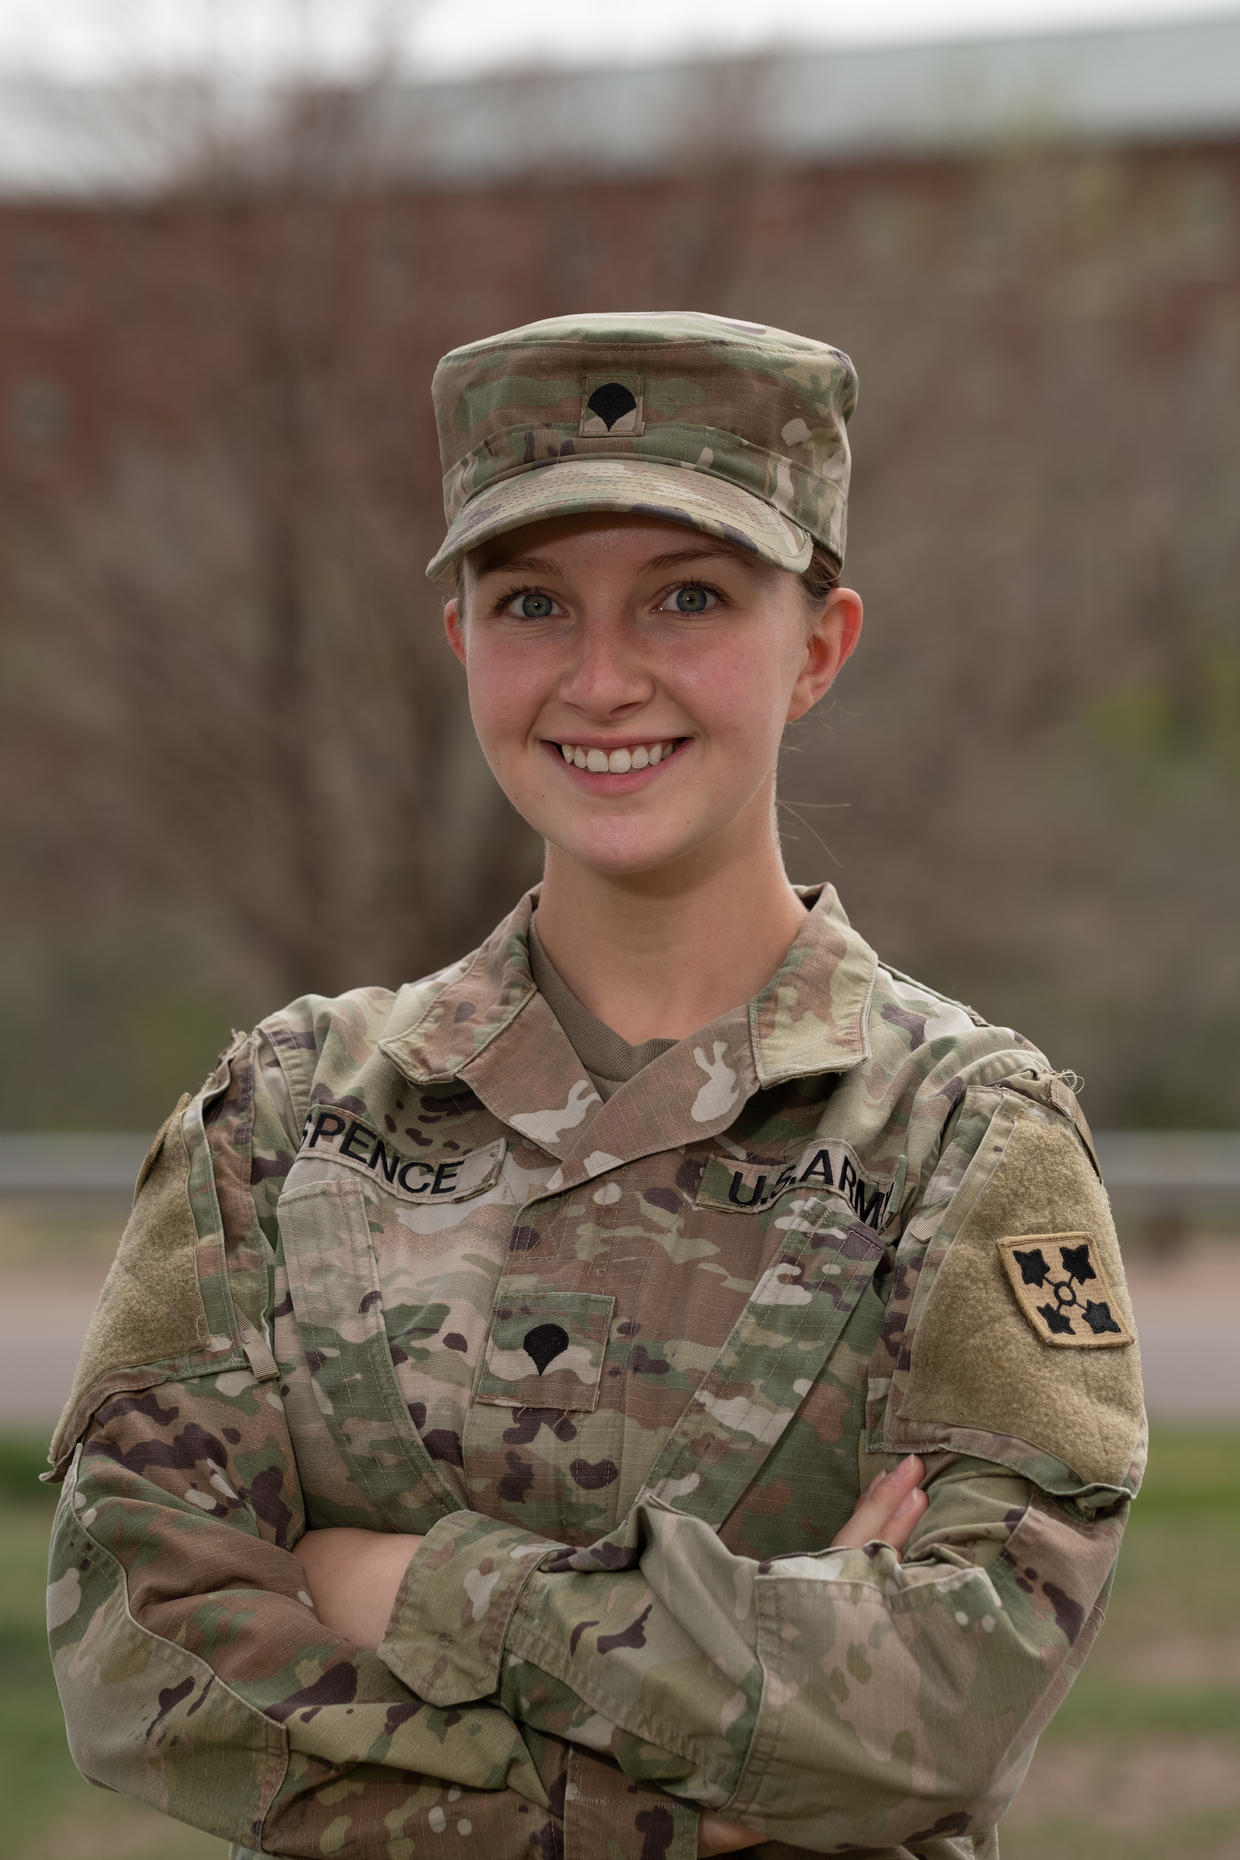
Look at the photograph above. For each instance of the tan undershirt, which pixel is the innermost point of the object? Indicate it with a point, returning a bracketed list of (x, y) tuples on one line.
[(609, 1061)]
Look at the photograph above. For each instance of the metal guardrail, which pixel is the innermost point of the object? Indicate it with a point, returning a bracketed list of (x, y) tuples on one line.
[(1174, 1176), (70, 1162)]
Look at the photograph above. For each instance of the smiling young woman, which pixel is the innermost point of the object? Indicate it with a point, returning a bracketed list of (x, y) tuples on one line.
[(665, 1384), (631, 701)]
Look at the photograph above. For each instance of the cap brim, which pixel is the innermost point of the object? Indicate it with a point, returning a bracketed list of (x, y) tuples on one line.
[(677, 494)]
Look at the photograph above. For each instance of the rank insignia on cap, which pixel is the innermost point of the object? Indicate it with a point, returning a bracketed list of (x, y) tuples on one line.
[(611, 408), (1061, 1287)]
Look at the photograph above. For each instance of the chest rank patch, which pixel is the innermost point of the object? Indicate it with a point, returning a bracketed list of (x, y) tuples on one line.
[(547, 1351), (1062, 1289)]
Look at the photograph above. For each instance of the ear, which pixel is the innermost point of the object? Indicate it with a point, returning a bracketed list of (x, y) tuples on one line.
[(835, 633), (454, 627)]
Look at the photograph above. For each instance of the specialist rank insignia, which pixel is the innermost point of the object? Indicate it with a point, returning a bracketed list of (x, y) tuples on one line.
[(612, 409), (1062, 1289)]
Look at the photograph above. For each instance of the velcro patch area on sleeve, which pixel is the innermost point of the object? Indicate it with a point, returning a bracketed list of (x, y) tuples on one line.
[(1062, 1287), (150, 1310), (975, 1374)]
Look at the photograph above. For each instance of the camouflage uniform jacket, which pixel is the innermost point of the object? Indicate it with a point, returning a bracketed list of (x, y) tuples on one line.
[(628, 1366)]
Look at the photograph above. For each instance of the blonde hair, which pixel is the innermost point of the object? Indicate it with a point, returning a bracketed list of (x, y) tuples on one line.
[(821, 578)]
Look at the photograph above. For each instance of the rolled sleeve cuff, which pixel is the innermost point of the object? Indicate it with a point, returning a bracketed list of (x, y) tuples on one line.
[(445, 1635)]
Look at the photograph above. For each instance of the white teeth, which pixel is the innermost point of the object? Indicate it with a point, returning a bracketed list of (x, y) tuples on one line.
[(616, 761)]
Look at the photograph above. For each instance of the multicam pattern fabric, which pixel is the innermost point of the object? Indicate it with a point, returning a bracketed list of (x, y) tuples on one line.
[(733, 428), (628, 1366)]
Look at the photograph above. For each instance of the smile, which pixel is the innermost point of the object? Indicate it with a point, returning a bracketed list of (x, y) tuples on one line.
[(618, 761)]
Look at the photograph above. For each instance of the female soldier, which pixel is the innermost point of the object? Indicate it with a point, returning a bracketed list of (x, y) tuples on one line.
[(469, 1449)]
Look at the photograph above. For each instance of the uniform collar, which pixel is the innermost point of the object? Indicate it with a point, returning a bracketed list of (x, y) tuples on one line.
[(478, 1001), (811, 1016)]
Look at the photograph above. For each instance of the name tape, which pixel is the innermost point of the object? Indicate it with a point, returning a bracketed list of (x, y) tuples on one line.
[(338, 1136)]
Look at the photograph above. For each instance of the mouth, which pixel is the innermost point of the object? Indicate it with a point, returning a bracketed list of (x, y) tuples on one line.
[(627, 759)]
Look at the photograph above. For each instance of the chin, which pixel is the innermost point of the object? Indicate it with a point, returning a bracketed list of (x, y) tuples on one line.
[(621, 861)]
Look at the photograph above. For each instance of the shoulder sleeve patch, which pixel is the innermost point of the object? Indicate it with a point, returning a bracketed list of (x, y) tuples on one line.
[(1033, 1263), (1062, 1288), (150, 1309)]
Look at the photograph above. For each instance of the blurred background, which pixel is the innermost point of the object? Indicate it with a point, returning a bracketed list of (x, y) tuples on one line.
[(233, 242)]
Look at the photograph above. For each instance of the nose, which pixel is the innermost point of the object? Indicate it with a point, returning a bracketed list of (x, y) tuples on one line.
[(606, 673)]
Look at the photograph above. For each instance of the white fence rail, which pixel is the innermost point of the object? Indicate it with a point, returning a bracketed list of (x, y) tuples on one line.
[(69, 1162)]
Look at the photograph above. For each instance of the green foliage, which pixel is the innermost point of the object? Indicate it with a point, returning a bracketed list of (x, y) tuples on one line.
[(1205, 1837), (32, 1754), (1120, 1709), (1190, 1475), (1187, 721), (116, 1013), (22, 1458)]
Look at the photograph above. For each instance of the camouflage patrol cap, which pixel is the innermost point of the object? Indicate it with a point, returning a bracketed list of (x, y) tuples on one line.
[(730, 427)]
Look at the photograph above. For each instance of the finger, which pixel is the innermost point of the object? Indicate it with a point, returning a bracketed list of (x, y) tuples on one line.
[(906, 1476), (871, 1515), (723, 1837), (877, 1504), (904, 1520)]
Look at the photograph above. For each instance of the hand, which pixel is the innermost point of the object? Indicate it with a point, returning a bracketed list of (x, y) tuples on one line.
[(353, 1577), (723, 1837), (886, 1512)]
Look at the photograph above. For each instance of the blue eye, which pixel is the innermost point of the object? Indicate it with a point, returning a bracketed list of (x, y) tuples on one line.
[(692, 600), (532, 606)]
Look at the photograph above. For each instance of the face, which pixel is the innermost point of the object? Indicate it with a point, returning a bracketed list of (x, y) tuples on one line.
[(629, 681)]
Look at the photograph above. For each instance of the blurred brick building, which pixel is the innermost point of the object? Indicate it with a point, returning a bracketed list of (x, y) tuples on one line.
[(852, 189), (219, 312)]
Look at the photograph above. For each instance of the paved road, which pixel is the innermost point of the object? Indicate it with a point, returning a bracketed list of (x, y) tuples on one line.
[(1188, 1313)]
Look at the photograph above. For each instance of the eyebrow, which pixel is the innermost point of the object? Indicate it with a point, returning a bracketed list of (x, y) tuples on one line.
[(536, 564), (547, 565)]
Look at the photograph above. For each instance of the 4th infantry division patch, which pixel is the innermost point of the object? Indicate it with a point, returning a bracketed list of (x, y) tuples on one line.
[(1062, 1289)]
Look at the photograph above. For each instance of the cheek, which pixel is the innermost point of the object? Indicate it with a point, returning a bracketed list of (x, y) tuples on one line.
[(494, 727), (498, 695), (749, 698)]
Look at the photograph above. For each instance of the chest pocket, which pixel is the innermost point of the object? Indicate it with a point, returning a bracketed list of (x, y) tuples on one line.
[(791, 1322), (364, 1425), (546, 1350)]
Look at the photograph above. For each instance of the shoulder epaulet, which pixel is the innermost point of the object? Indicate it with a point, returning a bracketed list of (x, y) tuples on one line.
[(1054, 1090), (292, 1038)]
